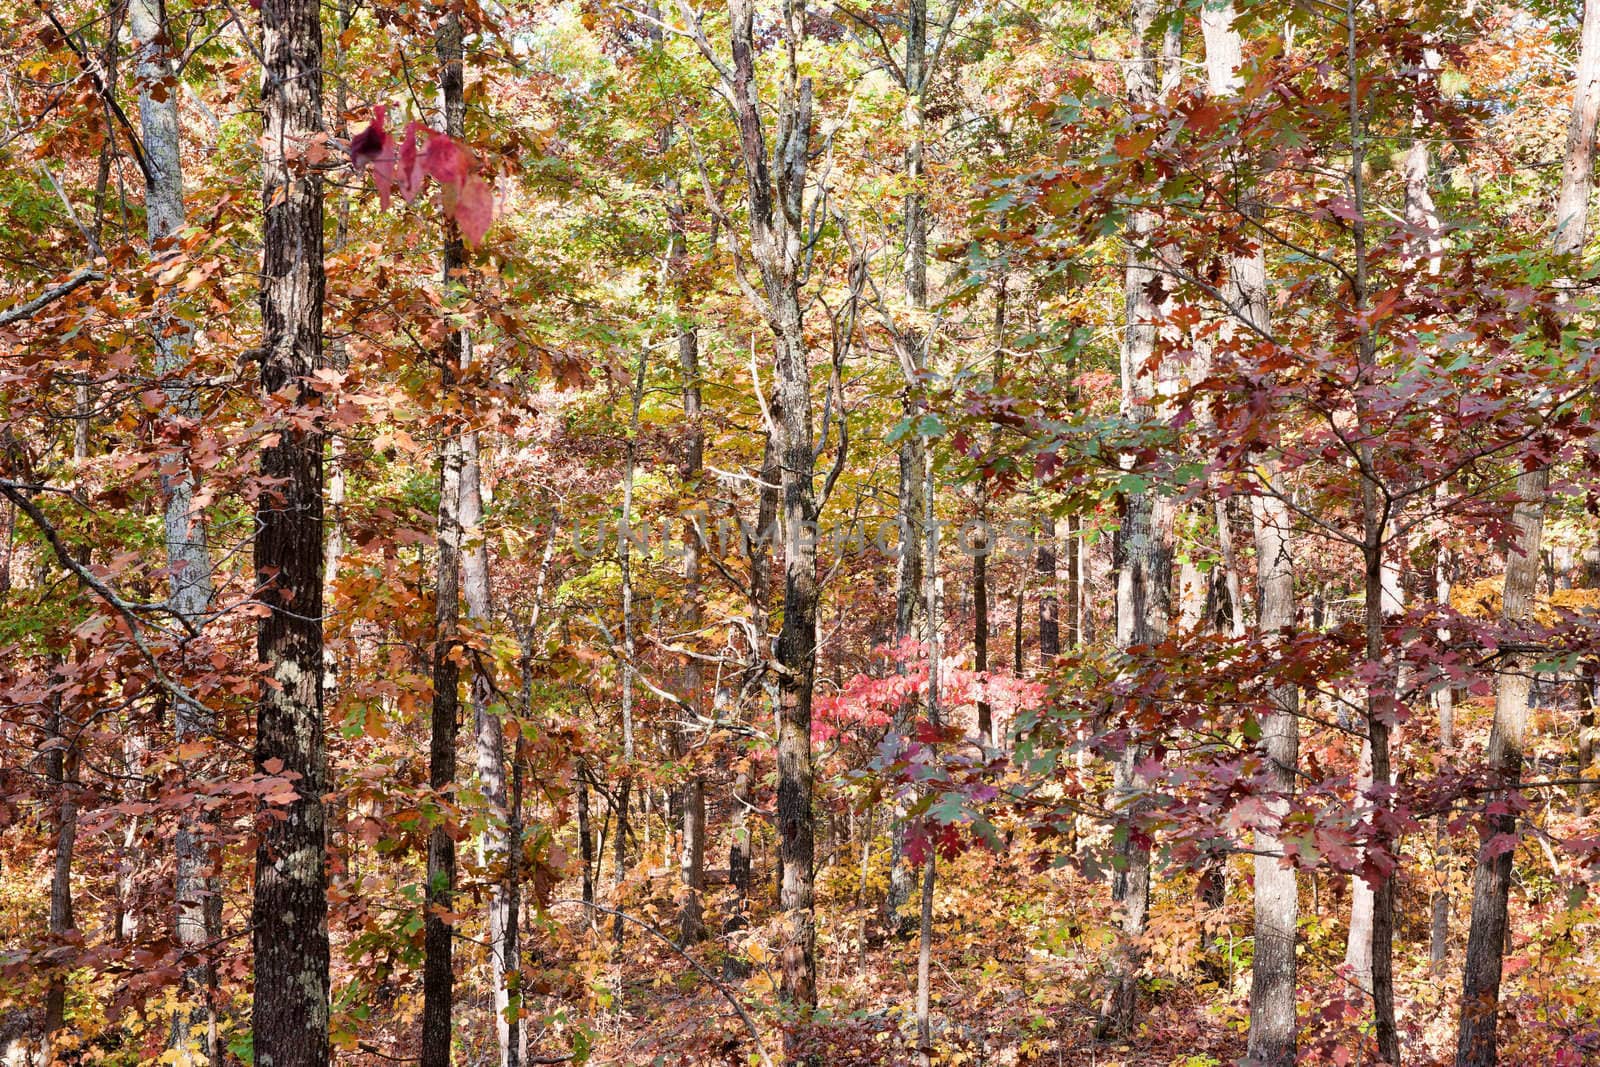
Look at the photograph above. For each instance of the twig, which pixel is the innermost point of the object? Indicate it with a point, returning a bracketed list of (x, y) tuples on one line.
[(101, 88), (32, 307)]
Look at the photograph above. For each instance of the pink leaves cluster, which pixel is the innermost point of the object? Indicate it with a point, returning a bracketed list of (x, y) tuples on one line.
[(405, 166)]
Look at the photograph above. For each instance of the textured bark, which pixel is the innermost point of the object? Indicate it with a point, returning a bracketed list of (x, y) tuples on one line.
[(925, 1047), (489, 748), (625, 565), (198, 911), (289, 918), (1577, 168), (1277, 895), (1049, 603), (1143, 545), (1476, 1042), (438, 976), (1230, 557), (1272, 1038), (61, 771), (911, 605), (1075, 581), (776, 197), (586, 843), (692, 797), (1491, 882)]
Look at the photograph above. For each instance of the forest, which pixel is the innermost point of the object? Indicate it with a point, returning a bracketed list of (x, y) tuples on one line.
[(755, 532)]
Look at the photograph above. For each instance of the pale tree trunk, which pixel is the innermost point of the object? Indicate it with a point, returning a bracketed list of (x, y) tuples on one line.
[(198, 917), (692, 799), (1272, 1039), (1424, 247), (934, 587), (1075, 572), (1144, 541), (438, 977), (489, 748), (289, 917), (1230, 556), (1376, 524), (625, 566), (1444, 705), (1476, 1041), (339, 360), (911, 621)]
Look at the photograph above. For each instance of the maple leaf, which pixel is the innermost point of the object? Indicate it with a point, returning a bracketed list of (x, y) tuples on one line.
[(475, 209), (373, 147), (446, 163), (411, 176)]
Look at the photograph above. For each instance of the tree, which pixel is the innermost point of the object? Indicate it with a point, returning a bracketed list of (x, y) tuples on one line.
[(1491, 883), (289, 916)]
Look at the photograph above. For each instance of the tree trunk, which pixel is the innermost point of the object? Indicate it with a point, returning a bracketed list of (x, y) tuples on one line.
[(489, 747), (438, 978), (911, 622), (586, 843), (625, 566), (289, 917), (1277, 893), (1049, 603), (1491, 882), (692, 800), (198, 916), (1476, 1043), (1272, 1039), (61, 770), (1144, 541), (776, 193), (1444, 704)]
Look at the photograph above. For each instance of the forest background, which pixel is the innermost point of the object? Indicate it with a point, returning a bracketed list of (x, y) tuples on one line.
[(983, 533)]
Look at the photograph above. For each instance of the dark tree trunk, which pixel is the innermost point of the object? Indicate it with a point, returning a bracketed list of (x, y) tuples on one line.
[(61, 771), (1049, 602), (438, 977), (289, 920), (776, 194), (586, 843)]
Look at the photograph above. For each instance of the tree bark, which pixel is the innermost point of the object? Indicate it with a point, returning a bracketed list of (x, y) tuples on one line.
[(911, 621), (692, 797), (1144, 541), (776, 195), (1272, 1038), (289, 916), (489, 749), (625, 566), (198, 917), (1049, 602), (1491, 883), (438, 977), (61, 771), (1476, 1041)]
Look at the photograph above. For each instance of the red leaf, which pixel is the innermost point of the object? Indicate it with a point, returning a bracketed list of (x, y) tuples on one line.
[(475, 209), (411, 175), (375, 148), (446, 163)]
